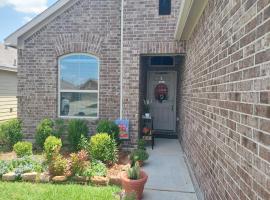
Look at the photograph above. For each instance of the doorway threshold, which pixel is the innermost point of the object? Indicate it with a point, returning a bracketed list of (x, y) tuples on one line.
[(165, 134)]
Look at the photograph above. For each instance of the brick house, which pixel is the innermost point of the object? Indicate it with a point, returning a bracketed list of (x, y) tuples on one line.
[(212, 59)]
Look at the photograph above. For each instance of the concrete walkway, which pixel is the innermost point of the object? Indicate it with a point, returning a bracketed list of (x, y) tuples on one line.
[(169, 178)]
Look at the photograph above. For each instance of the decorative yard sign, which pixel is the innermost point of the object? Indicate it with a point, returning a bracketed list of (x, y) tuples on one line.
[(123, 128)]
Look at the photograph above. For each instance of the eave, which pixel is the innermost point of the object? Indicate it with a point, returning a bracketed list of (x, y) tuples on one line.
[(190, 13)]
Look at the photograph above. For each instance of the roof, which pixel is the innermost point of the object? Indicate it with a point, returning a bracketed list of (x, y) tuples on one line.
[(8, 58), (38, 22)]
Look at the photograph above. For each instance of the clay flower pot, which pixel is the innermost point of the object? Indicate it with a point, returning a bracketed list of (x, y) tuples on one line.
[(131, 186)]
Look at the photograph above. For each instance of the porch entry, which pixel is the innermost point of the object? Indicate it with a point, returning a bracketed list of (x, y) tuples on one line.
[(161, 92)]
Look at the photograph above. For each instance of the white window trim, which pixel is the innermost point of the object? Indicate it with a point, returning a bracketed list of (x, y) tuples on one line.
[(77, 91)]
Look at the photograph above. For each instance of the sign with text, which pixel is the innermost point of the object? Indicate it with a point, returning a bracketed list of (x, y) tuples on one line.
[(123, 129)]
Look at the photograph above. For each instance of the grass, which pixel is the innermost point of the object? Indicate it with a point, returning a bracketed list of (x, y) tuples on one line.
[(28, 191)]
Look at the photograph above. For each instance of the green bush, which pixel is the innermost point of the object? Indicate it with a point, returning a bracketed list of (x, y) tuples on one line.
[(23, 149), (138, 155), (104, 148), (58, 166), (59, 128), (106, 126), (52, 147), (44, 130), (5, 167), (11, 132), (76, 128), (84, 144), (97, 168)]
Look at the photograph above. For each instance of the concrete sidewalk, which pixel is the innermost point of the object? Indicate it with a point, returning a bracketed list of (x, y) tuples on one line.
[(169, 178)]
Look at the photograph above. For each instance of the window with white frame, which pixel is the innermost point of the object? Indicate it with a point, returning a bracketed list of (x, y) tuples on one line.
[(78, 86)]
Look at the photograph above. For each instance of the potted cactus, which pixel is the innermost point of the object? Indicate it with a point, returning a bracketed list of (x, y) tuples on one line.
[(133, 180)]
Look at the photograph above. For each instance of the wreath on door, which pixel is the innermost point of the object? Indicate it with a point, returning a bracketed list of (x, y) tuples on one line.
[(161, 92)]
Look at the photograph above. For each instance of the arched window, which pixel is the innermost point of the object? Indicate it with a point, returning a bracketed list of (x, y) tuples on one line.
[(78, 86)]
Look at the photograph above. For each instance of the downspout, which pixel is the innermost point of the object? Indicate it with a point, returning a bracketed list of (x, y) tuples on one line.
[(121, 59)]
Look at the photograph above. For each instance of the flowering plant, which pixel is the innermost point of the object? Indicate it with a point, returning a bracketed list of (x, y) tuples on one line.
[(146, 103)]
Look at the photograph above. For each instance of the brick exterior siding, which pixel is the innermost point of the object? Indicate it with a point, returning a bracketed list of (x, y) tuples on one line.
[(226, 95), (93, 26)]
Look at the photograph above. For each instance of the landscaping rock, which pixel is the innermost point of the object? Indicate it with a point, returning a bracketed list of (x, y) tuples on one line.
[(44, 178), (31, 177), (81, 179), (9, 177), (100, 180), (115, 180), (59, 179)]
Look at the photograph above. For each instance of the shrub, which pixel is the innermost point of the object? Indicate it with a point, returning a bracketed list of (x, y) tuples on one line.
[(134, 172), (97, 168), (44, 130), (76, 128), (52, 147), (84, 144), (58, 166), (104, 148), (78, 162), (23, 149), (139, 155), (11, 132), (106, 126), (59, 128)]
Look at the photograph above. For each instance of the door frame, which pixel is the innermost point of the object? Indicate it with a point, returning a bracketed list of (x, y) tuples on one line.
[(175, 74)]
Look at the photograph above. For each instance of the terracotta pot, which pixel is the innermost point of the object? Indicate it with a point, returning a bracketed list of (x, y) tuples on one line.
[(131, 186)]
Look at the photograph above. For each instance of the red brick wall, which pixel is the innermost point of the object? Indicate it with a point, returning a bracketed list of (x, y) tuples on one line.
[(226, 96)]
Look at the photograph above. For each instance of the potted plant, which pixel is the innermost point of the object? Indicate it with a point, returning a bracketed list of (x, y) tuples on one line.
[(133, 180), (146, 108), (139, 155)]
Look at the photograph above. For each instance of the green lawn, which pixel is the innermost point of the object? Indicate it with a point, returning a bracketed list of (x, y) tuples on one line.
[(28, 191)]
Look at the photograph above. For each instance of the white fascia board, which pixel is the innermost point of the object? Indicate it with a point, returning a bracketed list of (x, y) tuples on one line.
[(9, 69), (37, 22)]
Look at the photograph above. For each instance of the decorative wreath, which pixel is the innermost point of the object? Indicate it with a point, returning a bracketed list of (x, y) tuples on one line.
[(161, 92)]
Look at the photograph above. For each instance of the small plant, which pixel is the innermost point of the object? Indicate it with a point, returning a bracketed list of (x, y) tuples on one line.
[(23, 149), (104, 148), (58, 166), (134, 172), (84, 144), (44, 130), (76, 128), (52, 147), (141, 144), (11, 132), (98, 168), (4, 167), (79, 162), (106, 126), (139, 155), (146, 104)]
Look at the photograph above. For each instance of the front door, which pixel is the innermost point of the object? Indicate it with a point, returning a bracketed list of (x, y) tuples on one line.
[(161, 92)]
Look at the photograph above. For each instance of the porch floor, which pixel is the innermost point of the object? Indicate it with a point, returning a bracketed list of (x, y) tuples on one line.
[(168, 173)]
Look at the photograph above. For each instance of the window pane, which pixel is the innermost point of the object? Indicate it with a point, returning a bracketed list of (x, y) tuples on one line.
[(162, 60), (79, 72), (164, 7), (78, 104)]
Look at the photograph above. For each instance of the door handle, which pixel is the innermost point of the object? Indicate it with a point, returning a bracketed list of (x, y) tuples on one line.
[(172, 107)]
